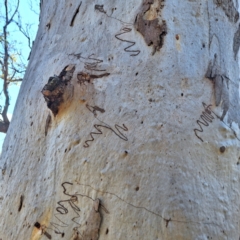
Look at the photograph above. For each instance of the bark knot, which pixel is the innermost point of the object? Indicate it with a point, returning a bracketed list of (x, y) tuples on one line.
[(53, 91)]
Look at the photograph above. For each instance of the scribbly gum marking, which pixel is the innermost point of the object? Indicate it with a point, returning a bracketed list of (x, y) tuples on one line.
[(147, 23)]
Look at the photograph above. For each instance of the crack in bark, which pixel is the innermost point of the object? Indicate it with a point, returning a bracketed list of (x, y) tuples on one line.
[(148, 210), (75, 14)]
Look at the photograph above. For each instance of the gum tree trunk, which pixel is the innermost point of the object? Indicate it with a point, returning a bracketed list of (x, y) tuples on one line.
[(127, 124)]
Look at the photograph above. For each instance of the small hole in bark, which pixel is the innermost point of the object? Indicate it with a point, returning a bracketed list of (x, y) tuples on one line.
[(107, 231), (222, 149), (177, 36), (100, 23), (37, 225), (126, 152), (65, 150), (31, 123), (141, 122), (182, 94), (48, 26), (137, 188), (136, 73)]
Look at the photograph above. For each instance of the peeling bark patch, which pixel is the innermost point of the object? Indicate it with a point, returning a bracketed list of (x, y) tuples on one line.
[(53, 91), (75, 14), (229, 9), (148, 24), (93, 223), (236, 42), (221, 91)]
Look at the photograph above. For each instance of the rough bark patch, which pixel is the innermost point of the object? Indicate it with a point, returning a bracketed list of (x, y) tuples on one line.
[(236, 42), (148, 25), (229, 9), (53, 91)]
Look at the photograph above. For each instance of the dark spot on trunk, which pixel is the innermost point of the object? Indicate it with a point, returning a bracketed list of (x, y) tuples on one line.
[(222, 149)]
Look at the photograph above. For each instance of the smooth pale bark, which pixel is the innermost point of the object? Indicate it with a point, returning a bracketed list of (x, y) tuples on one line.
[(163, 174)]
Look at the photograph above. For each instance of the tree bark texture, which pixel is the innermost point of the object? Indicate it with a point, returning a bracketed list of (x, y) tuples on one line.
[(127, 124)]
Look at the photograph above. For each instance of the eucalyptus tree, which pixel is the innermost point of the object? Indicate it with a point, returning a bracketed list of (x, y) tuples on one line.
[(127, 124)]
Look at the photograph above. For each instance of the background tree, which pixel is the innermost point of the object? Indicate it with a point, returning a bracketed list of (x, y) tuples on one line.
[(12, 59), (127, 124)]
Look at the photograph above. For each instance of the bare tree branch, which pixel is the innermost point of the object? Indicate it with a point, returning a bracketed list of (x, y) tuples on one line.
[(15, 12), (5, 67), (25, 32)]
